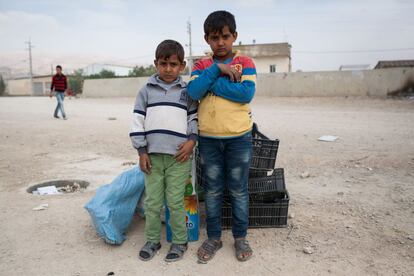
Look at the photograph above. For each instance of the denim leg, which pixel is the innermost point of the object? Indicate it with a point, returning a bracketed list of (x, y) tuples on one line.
[(61, 97), (238, 153), (57, 105), (212, 164)]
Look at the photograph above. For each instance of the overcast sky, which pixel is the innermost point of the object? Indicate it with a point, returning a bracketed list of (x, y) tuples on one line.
[(324, 34)]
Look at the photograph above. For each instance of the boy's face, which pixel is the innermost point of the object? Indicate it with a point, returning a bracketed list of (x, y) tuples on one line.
[(221, 43), (169, 68), (58, 70)]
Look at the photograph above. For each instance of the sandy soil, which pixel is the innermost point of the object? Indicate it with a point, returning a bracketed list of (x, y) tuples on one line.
[(355, 210)]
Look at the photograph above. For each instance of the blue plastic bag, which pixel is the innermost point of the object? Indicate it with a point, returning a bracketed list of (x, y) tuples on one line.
[(113, 206)]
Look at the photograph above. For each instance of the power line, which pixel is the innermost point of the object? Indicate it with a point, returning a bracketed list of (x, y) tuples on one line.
[(354, 51)]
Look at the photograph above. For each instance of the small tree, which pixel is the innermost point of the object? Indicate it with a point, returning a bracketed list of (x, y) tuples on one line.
[(76, 82), (104, 74), (141, 71), (2, 86)]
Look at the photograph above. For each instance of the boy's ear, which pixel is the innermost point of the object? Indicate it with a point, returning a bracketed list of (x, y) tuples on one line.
[(206, 38), (182, 66), (155, 62), (235, 36)]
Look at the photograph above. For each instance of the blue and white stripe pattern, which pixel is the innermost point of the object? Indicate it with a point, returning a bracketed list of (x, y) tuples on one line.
[(164, 117)]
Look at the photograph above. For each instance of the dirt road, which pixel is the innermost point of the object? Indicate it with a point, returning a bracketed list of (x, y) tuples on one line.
[(355, 211)]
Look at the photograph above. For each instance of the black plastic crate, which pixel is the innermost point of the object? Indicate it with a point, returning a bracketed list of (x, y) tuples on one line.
[(265, 189), (271, 183), (264, 152), (261, 215), (259, 173)]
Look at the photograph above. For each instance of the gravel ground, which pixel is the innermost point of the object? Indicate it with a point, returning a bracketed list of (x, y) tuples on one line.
[(352, 209)]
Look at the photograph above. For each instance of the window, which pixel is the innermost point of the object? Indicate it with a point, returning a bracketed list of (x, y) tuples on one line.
[(272, 68)]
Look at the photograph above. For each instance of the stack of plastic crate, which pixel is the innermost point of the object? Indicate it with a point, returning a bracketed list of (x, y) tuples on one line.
[(268, 196)]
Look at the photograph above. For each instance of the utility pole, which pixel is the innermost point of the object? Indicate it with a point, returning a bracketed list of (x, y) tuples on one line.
[(29, 47), (190, 60)]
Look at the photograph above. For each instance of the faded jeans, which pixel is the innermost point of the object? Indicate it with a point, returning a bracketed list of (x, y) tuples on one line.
[(225, 164), (60, 96)]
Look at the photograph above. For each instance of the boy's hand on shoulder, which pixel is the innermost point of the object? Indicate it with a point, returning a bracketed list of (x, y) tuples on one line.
[(184, 151), (232, 73), (145, 163)]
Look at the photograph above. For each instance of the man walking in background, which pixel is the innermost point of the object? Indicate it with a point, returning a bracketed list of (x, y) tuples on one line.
[(59, 86)]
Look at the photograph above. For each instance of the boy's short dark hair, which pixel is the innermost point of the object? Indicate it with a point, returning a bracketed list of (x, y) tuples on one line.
[(60, 67), (168, 48), (217, 20)]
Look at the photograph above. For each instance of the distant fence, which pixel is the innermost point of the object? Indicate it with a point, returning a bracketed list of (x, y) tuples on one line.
[(374, 83)]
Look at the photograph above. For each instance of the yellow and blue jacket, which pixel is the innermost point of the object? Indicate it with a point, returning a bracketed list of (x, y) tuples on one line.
[(224, 110)]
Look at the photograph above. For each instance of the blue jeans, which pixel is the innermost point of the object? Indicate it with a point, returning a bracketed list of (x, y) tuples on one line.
[(60, 96), (225, 164)]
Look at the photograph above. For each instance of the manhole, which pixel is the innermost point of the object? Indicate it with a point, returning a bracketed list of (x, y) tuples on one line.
[(63, 186)]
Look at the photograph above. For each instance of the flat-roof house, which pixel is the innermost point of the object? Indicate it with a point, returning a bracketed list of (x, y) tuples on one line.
[(96, 68), (394, 63), (268, 57)]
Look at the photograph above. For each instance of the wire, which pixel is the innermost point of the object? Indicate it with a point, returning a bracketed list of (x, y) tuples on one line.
[(354, 51)]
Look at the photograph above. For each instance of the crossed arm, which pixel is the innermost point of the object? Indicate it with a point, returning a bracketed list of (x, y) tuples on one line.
[(230, 86)]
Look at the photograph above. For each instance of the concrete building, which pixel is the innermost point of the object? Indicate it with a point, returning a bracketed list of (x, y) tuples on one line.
[(354, 67), (383, 64), (268, 58), (5, 73), (22, 87), (96, 68)]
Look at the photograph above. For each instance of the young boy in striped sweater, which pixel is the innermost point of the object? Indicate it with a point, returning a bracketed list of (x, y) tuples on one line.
[(224, 83), (164, 131)]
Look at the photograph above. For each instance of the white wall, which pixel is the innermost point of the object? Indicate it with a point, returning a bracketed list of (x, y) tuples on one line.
[(21, 87), (263, 64), (97, 68), (375, 83)]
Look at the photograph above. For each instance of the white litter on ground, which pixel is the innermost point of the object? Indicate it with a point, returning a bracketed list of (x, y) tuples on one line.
[(328, 138), (48, 190), (41, 207)]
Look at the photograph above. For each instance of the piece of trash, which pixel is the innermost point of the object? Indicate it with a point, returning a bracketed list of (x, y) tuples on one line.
[(110, 273), (305, 175), (307, 250), (48, 190), (41, 207), (129, 163), (111, 118), (328, 138), (70, 188)]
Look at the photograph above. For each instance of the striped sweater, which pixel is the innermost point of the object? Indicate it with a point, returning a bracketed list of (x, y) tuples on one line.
[(164, 117), (224, 111), (59, 83)]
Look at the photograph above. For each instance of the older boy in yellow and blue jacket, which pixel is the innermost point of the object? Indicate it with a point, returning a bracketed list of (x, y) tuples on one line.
[(224, 83)]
